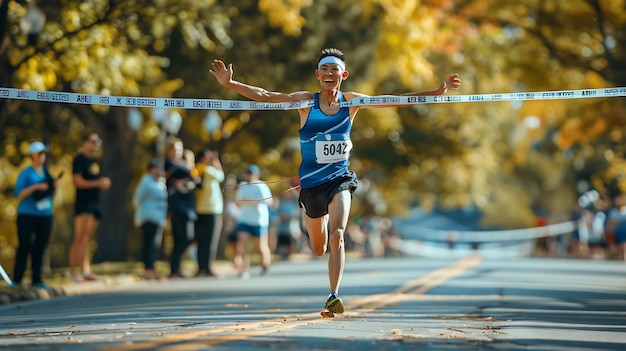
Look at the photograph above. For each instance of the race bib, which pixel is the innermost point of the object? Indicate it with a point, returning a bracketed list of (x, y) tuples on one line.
[(330, 148)]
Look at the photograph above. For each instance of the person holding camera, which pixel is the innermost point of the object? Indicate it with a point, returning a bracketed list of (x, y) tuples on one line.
[(209, 206)]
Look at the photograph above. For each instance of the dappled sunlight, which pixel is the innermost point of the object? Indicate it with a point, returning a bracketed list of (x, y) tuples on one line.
[(507, 159)]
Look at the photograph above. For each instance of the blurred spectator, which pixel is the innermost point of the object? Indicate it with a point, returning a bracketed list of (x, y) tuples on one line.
[(272, 229), (392, 239), (253, 198), (616, 224), (542, 246), (89, 182), (609, 233), (150, 200), (34, 190), (181, 202), (374, 229), (289, 233), (598, 240), (231, 217), (356, 237), (209, 206), (590, 238), (590, 232)]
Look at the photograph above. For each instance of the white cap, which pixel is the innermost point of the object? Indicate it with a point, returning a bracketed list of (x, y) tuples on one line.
[(36, 147)]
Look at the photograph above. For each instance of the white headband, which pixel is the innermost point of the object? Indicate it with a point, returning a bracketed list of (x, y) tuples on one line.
[(332, 60)]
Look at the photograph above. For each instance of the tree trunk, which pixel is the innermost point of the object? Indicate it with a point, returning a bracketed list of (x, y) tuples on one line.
[(6, 73), (117, 157), (116, 160)]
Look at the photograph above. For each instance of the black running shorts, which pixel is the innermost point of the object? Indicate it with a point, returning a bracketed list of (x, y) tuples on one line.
[(315, 200)]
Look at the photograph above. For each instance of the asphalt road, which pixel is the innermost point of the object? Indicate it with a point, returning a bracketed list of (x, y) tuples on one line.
[(391, 304)]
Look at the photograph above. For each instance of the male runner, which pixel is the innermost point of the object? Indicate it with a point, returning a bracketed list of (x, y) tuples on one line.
[(326, 182)]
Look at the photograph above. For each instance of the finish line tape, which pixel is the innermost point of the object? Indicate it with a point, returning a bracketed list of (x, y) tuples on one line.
[(238, 105)]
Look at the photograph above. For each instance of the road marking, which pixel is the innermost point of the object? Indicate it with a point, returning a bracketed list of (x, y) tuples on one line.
[(417, 287), (414, 289)]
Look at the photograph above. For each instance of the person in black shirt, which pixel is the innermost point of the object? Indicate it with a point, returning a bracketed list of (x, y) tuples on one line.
[(181, 202), (89, 182)]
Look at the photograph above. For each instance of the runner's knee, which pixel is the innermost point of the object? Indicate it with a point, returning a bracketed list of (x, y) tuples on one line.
[(336, 237), (319, 249)]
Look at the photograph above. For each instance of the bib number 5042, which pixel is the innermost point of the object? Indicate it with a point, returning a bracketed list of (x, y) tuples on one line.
[(332, 151), (335, 149)]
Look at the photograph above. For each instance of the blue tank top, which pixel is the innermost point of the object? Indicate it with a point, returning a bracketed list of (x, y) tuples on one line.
[(325, 145)]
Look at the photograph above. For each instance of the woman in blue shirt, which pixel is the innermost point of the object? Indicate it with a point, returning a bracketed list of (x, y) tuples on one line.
[(150, 199), (34, 190)]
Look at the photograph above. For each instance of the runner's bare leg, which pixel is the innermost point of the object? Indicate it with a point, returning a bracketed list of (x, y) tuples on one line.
[(318, 233), (339, 209)]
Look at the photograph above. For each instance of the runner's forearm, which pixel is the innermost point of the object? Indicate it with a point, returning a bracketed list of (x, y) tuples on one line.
[(249, 91), (433, 92)]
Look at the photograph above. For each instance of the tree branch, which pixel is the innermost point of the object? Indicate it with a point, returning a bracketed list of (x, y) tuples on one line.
[(595, 4), (6, 73), (567, 58)]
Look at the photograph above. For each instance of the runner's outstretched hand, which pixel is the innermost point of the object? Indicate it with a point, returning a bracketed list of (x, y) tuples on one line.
[(453, 82), (221, 72)]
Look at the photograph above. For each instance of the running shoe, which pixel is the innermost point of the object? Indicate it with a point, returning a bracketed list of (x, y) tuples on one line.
[(334, 304)]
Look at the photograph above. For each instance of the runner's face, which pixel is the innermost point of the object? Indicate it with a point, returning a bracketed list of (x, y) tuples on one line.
[(330, 76)]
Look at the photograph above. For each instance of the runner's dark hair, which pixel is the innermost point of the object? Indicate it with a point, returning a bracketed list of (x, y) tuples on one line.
[(332, 52)]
